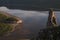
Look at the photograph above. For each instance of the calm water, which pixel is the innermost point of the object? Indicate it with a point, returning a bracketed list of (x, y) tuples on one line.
[(33, 21)]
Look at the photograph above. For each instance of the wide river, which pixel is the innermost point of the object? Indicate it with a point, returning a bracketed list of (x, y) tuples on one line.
[(33, 21)]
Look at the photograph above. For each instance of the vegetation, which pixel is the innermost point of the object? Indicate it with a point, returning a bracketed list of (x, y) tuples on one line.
[(11, 19), (50, 34), (5, 27), (6, 19), (2, 17)]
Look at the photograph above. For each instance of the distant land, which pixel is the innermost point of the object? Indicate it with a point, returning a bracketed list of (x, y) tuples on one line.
[(8, 23), (40, 5)]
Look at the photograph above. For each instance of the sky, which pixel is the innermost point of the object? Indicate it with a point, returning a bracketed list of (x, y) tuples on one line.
[(30, 4)]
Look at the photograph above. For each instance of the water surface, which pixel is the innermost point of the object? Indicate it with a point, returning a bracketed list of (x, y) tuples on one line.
[(33, 21)]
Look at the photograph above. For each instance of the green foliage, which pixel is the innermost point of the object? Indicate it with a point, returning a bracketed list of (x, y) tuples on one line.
[(4, 28), (11, 19), (3, 17)]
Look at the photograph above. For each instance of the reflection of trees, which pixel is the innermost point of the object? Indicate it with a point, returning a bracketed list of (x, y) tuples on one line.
[(49, 34)]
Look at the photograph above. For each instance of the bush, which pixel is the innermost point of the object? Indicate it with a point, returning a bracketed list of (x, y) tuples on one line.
[(5, 28), (11, 19), (3, 17)]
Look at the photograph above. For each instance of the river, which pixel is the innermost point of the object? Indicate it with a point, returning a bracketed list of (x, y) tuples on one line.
[(33, 21)]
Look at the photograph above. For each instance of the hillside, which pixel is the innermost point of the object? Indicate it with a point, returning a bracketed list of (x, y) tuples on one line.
[(8, 23)]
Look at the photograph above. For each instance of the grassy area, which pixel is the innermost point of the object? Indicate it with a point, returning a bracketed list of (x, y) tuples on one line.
[(3, 17), (5, 28), (6, 18)]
